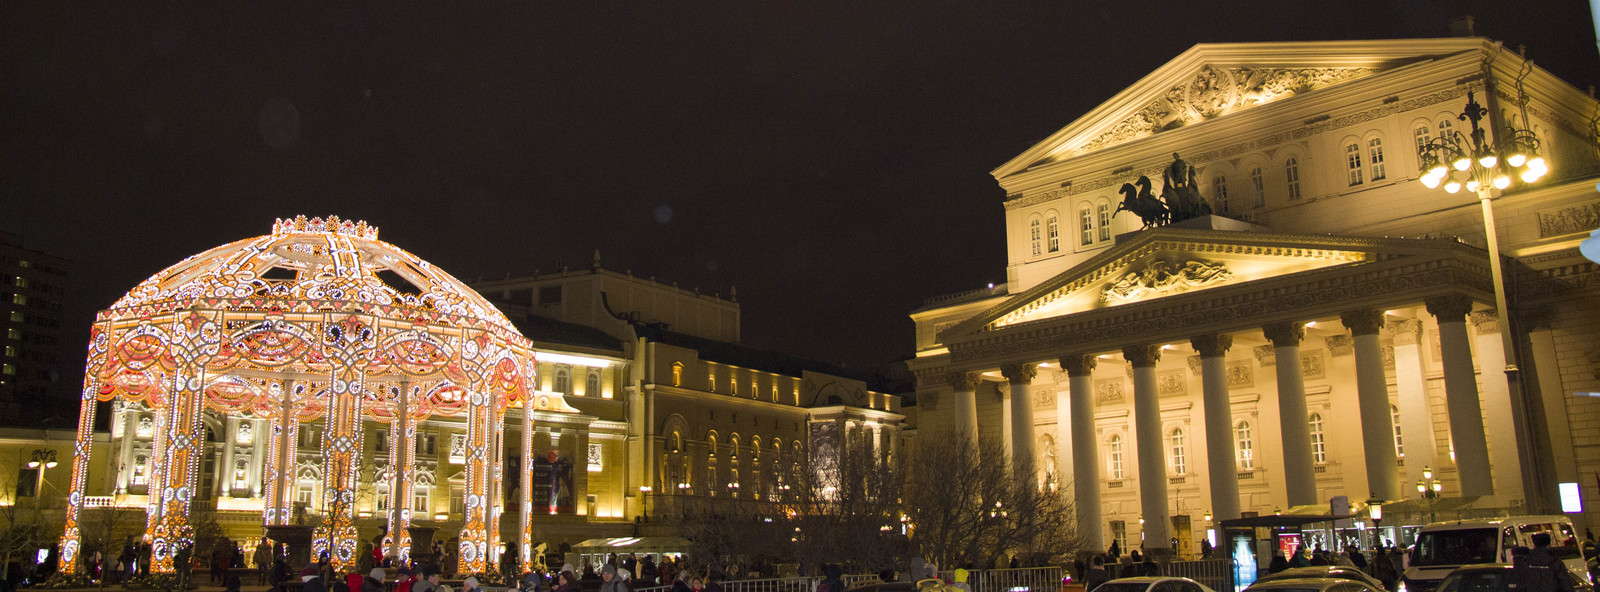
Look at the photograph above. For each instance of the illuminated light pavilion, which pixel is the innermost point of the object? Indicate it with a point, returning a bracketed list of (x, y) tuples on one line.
[(318, 320)]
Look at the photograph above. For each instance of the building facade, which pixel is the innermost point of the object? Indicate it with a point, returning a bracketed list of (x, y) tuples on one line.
[(32, 288), (1330, 332)]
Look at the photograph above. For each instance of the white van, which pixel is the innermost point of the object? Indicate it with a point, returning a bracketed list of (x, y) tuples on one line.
[(1444, 546)]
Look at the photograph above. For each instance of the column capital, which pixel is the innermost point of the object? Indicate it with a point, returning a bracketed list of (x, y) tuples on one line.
[(1142, 356), (1079, 364), (1285, 334), (1020, 373), (1212, 346), (1362, 322), (962, 382), (1487, 322), (1406, 331), (1450, 308)]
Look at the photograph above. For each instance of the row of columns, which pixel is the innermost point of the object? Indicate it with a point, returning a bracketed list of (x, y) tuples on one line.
[(1377, 427)]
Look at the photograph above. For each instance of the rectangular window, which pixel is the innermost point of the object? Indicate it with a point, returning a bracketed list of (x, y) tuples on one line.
[(1421, 135), (11, 351), (19, 299), (1291, 173), (20, 282), (27, 482), (549, 295), (381, 501), (1219, 186), (419, 501), (16, 317), (14, 333), (1053, 233), (1352, 162), (380, 441), (1375, 157), (304, 491), (1034, 239)]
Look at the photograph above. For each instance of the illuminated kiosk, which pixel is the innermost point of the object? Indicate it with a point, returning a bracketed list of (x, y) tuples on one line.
[(317, 321)]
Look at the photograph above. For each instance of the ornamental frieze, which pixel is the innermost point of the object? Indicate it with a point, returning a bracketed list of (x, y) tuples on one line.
[(1162, 278), (1242, 312), (1569, 220)]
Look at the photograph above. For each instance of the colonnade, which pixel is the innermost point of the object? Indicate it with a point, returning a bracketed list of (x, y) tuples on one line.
[(1467, 429)]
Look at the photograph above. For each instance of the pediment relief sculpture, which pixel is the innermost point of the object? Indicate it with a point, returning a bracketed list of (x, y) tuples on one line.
[(1217, 91), (1163, 277)]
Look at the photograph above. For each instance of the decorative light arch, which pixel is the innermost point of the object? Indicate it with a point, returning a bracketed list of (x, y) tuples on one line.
[(318, 320)]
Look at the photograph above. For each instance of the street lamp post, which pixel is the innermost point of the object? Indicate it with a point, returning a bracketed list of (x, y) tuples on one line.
[(41, 460), (1430, 489), (644, 501), (1375, 511)]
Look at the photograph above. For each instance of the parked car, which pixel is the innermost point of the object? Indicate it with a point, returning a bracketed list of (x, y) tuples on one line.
[(1487, 577), (1313, 585), (1152, 584), (1324, 571), (1443, 547)]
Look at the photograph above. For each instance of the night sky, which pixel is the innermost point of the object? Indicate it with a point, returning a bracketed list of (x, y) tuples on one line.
[(831, 160)]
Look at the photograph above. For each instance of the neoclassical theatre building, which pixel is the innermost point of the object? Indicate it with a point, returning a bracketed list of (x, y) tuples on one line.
[(319, 376), (1331, 330)]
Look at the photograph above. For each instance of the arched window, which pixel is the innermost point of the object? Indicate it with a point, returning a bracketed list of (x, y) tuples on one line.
[(1420, 135), (733, 385), (1219, 188), (1446, 126), (591, 387), (1375, 158), (1246, 445), (1319, 443), (1180, 462), (1035, 240), (677, 441), (711, 445), (563, 381), (1103, 212), (1352, 163), (1052, 229), (733, 446), (1399, 444), (677, 374), (1291, 174), (1085, 226), (1257, 189), (1114, 457)]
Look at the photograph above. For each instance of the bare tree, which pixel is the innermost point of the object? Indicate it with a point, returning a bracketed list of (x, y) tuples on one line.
[(966, 508), (103, 528), (24, 526)]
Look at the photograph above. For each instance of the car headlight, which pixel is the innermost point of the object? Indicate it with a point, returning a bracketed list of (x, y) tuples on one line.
[(1402, 587)]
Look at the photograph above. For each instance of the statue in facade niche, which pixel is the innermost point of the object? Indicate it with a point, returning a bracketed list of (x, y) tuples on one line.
[(1180, 193), (1142, 203)]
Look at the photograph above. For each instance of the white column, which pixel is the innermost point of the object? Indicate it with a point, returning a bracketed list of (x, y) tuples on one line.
[(258, 454), (1299, 480), (1024, 458), (1085, 450), (130, 429), (1461, 395), (1372, 396), (1416, 413), (964, 406), (1147, 435), (230, 428), (1501, 427), (1220, 463)]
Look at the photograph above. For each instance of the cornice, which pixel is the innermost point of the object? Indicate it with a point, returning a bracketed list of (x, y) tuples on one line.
[(1294, 297)]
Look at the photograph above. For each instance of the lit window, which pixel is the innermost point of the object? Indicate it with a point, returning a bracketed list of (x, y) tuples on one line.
[(1114, 457), (1352, 162), (305, 491), (419, 500), (19, 299), (677, 374), (13, 333), (1034, 237), (1180, 464), (1445, 128), (733, 385), (1103, 211), (1052, 229), (1399, 444), (1319, 443), (1219, 186), (381, 502), (563, 381), (1246, 445), (591, 387), (8, 370), (16, 316), (380, 441), (1421, 135), (1086, 226), (1291, 173), (21, 282), (1375, 158), (1257, 188), (11, 351)]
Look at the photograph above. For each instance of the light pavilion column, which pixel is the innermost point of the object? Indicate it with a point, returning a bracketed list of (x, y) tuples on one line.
[(1292, 417), (402, 474), (285, 436), (964, 406), (1461, 395), (1220, 463), (1416, 415), (341, 462), (1085, 449), (525, 491), (1147, 434), (1023, 458), (81, 449), (224, 484), (130, 437), (258, 448), (1372, 397), (1497, 404)]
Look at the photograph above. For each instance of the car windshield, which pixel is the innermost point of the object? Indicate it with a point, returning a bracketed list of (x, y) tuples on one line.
[(1477, 581), (1122, 587), (1455, 547)]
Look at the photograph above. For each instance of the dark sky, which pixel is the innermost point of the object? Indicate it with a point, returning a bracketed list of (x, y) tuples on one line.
[(830, 160)]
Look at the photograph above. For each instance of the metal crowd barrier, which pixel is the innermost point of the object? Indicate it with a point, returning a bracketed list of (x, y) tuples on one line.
[(1216, 574)]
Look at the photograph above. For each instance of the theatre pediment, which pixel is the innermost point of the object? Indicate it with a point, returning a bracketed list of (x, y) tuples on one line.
[(1175, 263)]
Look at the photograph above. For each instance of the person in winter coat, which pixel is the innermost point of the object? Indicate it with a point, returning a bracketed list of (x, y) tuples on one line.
[(681, 582), (312, 580), (1096, 574), (352, 582), (1383, 571), (569, 582), (373, 582), (404, 580), (611, 582)]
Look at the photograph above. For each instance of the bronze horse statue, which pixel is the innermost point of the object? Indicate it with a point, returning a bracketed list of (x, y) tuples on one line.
[(1143, 204)]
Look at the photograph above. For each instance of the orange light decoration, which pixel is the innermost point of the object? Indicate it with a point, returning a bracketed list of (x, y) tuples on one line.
[(318, 320)]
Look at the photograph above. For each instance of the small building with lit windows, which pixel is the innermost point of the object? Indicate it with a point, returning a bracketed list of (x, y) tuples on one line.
[(1331, 331)]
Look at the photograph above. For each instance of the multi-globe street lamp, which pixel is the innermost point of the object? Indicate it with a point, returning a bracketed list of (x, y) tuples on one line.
[(1430, 489)]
